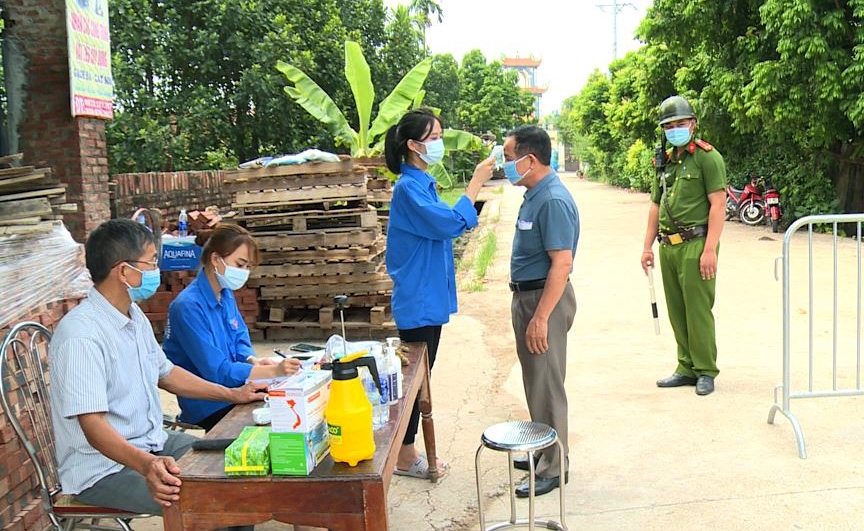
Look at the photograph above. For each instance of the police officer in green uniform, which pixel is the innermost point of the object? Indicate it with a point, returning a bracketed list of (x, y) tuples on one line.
[(688, 204)]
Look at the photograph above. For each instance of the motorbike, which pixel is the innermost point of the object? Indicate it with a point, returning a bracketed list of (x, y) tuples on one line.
[(772, 204), (747, 204)]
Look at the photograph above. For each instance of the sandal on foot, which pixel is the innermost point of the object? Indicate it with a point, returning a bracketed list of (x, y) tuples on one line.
[(420, 469)]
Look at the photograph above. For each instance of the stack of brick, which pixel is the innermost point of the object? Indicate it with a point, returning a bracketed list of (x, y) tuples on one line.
[(19, 488), (173, 282), (169, 191), (319, 238)]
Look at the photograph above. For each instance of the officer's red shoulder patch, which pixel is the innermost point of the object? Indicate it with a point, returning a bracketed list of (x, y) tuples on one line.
[(704, 145)]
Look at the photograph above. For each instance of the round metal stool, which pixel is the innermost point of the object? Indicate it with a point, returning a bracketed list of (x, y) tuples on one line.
[(521, 436)]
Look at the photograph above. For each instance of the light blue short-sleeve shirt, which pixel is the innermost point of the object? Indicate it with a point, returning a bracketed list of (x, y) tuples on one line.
[(103, 361), (548, 221)]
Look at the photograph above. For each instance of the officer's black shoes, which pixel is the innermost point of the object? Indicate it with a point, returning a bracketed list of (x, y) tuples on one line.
[(705, 385), (521, 463), (541, 485), (676, 380)]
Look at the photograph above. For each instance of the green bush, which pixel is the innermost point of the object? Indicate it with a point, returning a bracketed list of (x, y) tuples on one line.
[(639, 168)]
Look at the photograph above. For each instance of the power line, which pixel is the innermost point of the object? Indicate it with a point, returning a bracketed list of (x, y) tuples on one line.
[(616, 7)]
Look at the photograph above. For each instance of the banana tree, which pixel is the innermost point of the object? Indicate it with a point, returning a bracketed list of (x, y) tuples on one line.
[(365, 140)]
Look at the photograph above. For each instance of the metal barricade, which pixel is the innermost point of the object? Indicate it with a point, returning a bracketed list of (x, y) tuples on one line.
[(784, 405)]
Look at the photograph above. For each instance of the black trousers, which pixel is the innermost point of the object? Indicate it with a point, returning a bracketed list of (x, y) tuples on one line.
[(430, 335)]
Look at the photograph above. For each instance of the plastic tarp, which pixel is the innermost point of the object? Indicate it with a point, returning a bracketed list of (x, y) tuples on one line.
[(39, 268)]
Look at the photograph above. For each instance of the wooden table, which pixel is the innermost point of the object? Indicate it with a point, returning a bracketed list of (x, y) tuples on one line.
[(334, 496)]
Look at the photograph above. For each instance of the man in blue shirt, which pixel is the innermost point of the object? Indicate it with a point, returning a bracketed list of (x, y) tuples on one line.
[(544, 304)]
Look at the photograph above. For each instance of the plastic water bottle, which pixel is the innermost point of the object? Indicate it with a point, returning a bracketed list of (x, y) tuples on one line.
[(394, 367), (142, 219), (381, 364), (182, 223), (380, 411)]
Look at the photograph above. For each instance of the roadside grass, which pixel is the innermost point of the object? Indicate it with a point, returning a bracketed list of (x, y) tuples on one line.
[(451, 195), (483, 260), (474, 251)]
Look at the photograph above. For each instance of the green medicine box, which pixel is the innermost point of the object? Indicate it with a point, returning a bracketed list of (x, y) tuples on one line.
[(297, 454), (249, 454)]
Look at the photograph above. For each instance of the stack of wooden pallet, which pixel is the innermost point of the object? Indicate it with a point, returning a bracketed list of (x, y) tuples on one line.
[(30, 198), (318, 238), (379, 187)]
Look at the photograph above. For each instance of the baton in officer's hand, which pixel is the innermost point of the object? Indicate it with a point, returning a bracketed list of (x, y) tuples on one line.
[(653, 299)]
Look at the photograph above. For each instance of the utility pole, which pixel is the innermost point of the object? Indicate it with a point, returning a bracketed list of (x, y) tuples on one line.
[(615, 7)]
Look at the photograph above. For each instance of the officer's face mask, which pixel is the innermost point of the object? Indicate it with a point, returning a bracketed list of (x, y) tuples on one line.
[(678, 136)]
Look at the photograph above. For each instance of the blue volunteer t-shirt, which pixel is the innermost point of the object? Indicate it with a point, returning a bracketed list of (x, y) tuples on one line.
[(209, 339), (548, 221), (420, 250)]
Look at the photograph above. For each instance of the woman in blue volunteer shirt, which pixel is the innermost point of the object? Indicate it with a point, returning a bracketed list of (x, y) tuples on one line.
[(420, 247), (206, 334)]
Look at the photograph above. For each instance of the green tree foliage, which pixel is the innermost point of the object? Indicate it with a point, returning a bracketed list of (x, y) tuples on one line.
[(403, 46), (442, 87), (195, 84), (777, 86), (423, 11), (489, 97)]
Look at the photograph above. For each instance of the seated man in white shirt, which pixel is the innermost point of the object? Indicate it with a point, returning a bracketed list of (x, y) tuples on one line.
[(107, 369)]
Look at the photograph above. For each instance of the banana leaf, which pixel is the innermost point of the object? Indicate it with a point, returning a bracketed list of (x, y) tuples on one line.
[(311, 97), (458, 140), (358, 76), (439, 172), (418, 100), (391, 109)]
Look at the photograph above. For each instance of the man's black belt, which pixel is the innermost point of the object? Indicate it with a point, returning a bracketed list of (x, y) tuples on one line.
[(683, 236), (528, 285)]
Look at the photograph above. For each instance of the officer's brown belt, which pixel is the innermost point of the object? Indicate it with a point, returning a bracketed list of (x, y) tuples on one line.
[(683, 236)]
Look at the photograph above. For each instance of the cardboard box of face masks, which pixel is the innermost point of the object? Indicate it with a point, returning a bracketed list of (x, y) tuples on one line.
[(297, 454), (297, 403)]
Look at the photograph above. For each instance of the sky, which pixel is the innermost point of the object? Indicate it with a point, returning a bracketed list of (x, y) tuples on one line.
[(572, 37)]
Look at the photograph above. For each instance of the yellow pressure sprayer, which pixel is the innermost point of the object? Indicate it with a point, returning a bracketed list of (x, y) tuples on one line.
[(349, 413)]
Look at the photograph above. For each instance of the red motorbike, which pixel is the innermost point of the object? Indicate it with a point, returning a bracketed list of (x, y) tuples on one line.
[(772, 203), (747, 204)]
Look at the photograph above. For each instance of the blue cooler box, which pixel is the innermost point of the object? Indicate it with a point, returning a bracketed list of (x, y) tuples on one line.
[(180, 254)]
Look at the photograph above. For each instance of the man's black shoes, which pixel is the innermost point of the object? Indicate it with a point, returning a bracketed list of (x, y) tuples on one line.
[(676, 380), (521, 463), (541, 485), (705, 385)]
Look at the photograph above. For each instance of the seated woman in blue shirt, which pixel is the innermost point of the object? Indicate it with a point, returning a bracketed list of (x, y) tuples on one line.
[(206, 334), (420, 247)]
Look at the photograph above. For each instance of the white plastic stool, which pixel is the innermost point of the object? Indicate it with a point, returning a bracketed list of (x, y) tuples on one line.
[(521, 436)]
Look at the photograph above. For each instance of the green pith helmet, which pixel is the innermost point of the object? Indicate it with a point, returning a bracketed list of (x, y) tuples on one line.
[(675, 108)]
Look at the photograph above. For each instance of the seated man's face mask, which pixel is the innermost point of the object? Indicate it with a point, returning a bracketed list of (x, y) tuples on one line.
[(150, 280)]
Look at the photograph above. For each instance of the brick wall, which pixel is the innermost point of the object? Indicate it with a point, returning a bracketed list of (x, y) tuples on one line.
[(21, 508), (168, 191), (74, 148), (37, 75)]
